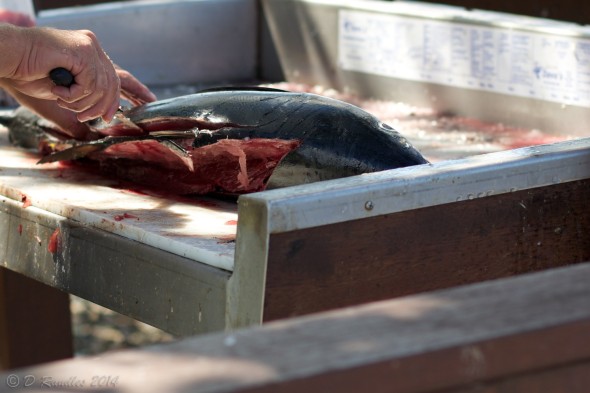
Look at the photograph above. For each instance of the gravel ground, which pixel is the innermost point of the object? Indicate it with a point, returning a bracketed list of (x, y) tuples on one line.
[(97, 329)]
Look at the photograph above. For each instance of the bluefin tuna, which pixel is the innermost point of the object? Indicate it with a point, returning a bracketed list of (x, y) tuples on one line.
[(243, 140)]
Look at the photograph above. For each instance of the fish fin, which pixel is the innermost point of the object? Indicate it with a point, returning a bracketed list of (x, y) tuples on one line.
[(242, 88), (179, 151)]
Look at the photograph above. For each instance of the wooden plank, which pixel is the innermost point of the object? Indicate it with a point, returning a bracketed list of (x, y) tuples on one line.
[(425, 249), (572, 378), (35, 322), (532, 327)]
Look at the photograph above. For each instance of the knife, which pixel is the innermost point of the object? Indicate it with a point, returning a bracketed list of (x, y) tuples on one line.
[(62, 77), (85, 148)]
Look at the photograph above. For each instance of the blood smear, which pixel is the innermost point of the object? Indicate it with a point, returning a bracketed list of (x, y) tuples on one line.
[(53, 244), (120, 217), (25, 200)]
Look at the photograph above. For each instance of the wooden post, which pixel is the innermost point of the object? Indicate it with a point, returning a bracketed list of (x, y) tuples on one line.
[(35, 322)]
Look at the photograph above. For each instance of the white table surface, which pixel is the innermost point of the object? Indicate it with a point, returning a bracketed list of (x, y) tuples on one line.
[(199, 228)]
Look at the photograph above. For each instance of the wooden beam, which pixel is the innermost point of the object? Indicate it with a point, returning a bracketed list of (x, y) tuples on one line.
[(35, 322), (510, 335), (425, 249)]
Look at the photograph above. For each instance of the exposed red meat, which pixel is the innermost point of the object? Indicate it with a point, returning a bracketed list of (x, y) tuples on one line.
[(148, 151), (120, 130), (234, 166)]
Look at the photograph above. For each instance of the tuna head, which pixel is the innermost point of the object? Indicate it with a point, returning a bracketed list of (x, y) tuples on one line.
[(336, 139)]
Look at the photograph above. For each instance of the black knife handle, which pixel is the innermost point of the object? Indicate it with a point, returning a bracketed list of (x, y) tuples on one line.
[(61, 77)]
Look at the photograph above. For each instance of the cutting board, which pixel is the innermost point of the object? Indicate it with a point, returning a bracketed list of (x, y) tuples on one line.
[(199, 228)]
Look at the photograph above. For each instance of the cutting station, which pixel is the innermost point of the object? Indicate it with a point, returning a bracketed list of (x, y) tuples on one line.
[(210, 264)]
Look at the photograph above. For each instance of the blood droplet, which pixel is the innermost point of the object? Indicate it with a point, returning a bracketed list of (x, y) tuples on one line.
[(25, 200)]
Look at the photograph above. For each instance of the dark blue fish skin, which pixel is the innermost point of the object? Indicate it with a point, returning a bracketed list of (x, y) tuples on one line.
[(337, 139), (27, 130)]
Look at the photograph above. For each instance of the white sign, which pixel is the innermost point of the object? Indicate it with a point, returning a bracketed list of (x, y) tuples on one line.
[(535, 65)]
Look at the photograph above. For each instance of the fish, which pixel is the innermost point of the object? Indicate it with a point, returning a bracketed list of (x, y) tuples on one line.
[(29, 131), (241, 140)]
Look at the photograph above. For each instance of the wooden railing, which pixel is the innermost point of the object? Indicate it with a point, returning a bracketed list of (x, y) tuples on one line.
[(523, 334)]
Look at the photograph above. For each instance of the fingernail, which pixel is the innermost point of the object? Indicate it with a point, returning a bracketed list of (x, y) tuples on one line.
[(109, 115)]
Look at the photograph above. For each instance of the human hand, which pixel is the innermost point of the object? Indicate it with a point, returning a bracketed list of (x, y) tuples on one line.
[(131, 89), (96, 90)]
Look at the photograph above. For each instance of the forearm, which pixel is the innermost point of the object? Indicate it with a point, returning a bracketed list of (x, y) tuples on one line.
[(12, 46)]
